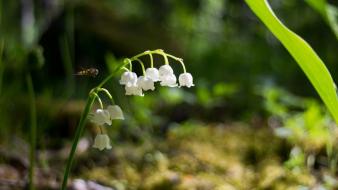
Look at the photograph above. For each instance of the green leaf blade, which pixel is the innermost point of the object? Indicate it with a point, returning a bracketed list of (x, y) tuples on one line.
[(301, 51)]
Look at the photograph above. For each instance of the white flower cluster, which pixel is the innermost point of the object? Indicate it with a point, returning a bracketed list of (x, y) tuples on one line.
[(165, 75), (104, 117)]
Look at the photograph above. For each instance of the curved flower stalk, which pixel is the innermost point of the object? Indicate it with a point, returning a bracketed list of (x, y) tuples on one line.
[(100, 117), (165, 74), (134, 85)]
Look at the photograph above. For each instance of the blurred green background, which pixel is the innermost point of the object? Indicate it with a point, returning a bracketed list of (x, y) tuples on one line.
[(248, 92)]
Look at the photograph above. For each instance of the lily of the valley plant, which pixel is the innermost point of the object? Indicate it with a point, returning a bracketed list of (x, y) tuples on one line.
[(134, 85)]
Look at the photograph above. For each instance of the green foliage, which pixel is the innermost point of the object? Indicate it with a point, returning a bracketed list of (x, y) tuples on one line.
[(305, 125), (328, 12), (305, 56)]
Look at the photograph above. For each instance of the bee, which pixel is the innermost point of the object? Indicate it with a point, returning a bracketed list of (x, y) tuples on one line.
[(91, 72)]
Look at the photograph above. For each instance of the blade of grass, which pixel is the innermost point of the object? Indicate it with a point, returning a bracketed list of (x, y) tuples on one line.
[(33, 127), (301, 51)]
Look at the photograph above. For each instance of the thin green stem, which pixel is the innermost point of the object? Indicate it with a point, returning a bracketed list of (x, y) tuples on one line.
[(151, 60), (166, 62), (112, 75), (128, 61), (142, 65), (33, 128), (160, 52), (98, 99), (78, 133), (108, 94), (183, 66), (81, 125)]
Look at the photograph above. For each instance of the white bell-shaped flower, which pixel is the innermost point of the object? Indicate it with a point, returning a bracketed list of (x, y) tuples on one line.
[(101, 117), (185, 79), (145, 83), (128, 77), (165, 70), (115, 112), (133, 89), (168, 80), (102, 141), (153, 74)]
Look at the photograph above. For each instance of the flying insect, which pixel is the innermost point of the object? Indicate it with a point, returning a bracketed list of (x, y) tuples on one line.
[(90, 72)]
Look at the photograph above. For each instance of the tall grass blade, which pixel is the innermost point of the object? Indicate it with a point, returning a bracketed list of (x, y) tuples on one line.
[(301, 51), (33, 128)]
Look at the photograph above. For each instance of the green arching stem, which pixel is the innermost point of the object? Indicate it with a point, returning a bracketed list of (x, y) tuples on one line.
[(151, 60), (98, 99), (142, 65), (111, 75), (93, 95), (160, 52), (81, 125), (33, 128), (166, 62), (130, 64), (108, 94), (78, 133), (179, 60), (183, 66)]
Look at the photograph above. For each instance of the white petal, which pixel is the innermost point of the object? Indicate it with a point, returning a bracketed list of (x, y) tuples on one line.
[(185, 79), (165, 70), (145, 83), (101, 142), (101, 117), (168, 80), (153, 74), (128, 77), (133, 89), (115, 112)]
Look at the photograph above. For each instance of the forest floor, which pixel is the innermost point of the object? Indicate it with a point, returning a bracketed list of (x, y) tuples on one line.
[(189, 157)]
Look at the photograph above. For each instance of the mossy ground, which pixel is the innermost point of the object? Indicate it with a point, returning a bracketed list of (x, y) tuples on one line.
[(197, 157)]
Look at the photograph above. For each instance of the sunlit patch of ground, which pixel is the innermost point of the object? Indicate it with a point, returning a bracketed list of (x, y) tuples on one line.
[(197, 157)]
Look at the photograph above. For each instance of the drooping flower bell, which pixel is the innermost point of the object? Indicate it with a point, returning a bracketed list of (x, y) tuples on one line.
[(145, 83), (128, 78), (185, 79), (101, 117), (153, 74), (165, 70), (168, 80), (167, 76), (115, 112), (133, 89), (102, 141)]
